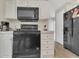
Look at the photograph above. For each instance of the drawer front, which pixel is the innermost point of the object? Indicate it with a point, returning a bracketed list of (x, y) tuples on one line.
[(47, 42), (47, 46), (46, 39), (47, 36), (47, 56), (47, 53)]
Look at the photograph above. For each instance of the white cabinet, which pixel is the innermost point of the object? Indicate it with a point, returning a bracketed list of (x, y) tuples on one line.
[(2, 6), (6, 41), (43, 6), (10, 10), (21, 3), (44, 10), (33, 3), (27, 3), (47, 44), (11, 7)]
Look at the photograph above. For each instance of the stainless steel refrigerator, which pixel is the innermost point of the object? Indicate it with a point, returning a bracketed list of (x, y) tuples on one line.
[(75, 39), (71, 33)]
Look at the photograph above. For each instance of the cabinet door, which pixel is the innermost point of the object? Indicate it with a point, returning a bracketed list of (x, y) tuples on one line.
[(44, 10), (33, 3), (2, 9), (6, 45), (75, 40), (68, 30), (11, 10), (22, 3)]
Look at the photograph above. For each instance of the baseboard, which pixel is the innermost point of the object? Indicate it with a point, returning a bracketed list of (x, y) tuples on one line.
[(59, 44)]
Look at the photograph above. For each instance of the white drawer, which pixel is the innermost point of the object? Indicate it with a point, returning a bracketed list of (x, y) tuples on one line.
[(47, 53), (47, 42), (45, 39), (47, 56), (47, 36), (50, 47)]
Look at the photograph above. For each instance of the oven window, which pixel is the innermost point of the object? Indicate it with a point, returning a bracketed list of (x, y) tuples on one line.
[(25, 45)]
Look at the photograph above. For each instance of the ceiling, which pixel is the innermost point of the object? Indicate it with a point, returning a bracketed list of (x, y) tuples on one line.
[(56, 4)]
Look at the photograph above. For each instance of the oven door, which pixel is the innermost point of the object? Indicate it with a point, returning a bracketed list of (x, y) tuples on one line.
[(26, 44)]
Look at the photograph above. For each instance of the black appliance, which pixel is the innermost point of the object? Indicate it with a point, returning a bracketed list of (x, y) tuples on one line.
[(4, 26), (71, 32), (26, 14), (75, 40), (29, 27), (26, 43), (68, 30)]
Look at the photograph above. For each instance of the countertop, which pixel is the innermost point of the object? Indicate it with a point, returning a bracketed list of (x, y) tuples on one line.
[(47, 31), (6, 32)]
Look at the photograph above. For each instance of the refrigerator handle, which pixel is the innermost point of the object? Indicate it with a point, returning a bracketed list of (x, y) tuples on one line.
[(72, 27)]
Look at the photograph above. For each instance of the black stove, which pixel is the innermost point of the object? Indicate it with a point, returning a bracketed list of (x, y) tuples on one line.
[(26, 42)]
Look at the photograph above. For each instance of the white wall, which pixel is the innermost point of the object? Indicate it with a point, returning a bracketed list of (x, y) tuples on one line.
[(59, 27), (51, 24), (51, 9)]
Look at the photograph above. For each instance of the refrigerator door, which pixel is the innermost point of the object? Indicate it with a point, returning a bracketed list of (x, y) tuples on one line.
[(75, 40), (67, 31)]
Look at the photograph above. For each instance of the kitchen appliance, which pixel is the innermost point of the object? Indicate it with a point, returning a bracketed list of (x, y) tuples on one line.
[(68, 30), (26, 43), (29, 27), (71, 31), (4, 26), (28, 14), (75, 40)]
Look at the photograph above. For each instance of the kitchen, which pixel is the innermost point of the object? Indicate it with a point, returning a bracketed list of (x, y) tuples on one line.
[(37, 28), (25, 29)]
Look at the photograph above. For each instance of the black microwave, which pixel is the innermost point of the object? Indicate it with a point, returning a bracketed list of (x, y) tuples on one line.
[(25, 14)]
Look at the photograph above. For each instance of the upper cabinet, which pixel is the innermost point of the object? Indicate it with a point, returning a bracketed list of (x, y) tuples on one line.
[(11, 7), (44, 10), (22, 3), (33, 3), (27, 3), (2, 6)]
